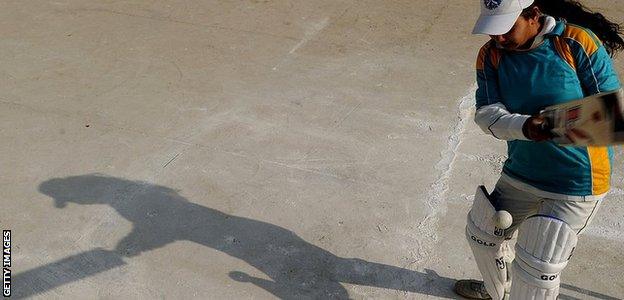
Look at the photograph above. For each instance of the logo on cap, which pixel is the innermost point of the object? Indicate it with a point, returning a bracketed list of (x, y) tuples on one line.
[(492, 4)]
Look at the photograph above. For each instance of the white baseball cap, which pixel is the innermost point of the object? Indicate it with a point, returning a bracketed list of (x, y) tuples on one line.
[(498, 16)]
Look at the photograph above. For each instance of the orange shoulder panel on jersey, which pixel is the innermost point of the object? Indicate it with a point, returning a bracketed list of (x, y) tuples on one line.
[(488, 51), (481, 57), (563, 49), (585, 38)]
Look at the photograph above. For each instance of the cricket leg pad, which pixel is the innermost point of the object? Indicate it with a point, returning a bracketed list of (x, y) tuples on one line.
[(488, 245), (544, 247)]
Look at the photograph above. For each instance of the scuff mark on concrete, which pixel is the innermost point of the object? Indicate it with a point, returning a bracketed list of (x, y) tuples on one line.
[(312, 32)]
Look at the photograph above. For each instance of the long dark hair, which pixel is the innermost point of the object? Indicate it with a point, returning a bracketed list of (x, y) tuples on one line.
[(574, 12)]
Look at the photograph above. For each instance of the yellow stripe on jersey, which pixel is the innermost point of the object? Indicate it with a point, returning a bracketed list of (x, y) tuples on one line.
[(600, 169)]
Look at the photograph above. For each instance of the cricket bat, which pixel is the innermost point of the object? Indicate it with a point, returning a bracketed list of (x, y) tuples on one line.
[(597, 120)]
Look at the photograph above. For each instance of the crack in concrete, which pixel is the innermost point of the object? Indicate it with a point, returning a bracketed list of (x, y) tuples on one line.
[(435, 197), (171, 160)]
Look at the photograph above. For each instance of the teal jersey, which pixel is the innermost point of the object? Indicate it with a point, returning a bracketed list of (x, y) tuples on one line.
[(571, 63)]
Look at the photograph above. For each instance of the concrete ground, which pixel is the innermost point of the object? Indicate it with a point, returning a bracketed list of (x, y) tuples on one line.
[(253, 149)]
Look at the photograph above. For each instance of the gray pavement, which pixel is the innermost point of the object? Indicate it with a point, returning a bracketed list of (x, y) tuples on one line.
[(252, 149)]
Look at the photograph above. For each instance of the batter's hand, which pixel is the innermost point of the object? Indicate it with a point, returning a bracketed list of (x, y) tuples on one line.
[(536, 128)]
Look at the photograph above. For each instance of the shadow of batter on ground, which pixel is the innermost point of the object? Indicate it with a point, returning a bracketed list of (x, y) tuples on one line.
[(159, 215)]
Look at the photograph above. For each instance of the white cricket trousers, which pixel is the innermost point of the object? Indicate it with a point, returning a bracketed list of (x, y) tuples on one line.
[(522, 204)]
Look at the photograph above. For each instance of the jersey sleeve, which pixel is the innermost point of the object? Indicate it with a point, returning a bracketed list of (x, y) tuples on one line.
[(491, 115), (487, 79), (496, 120)]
